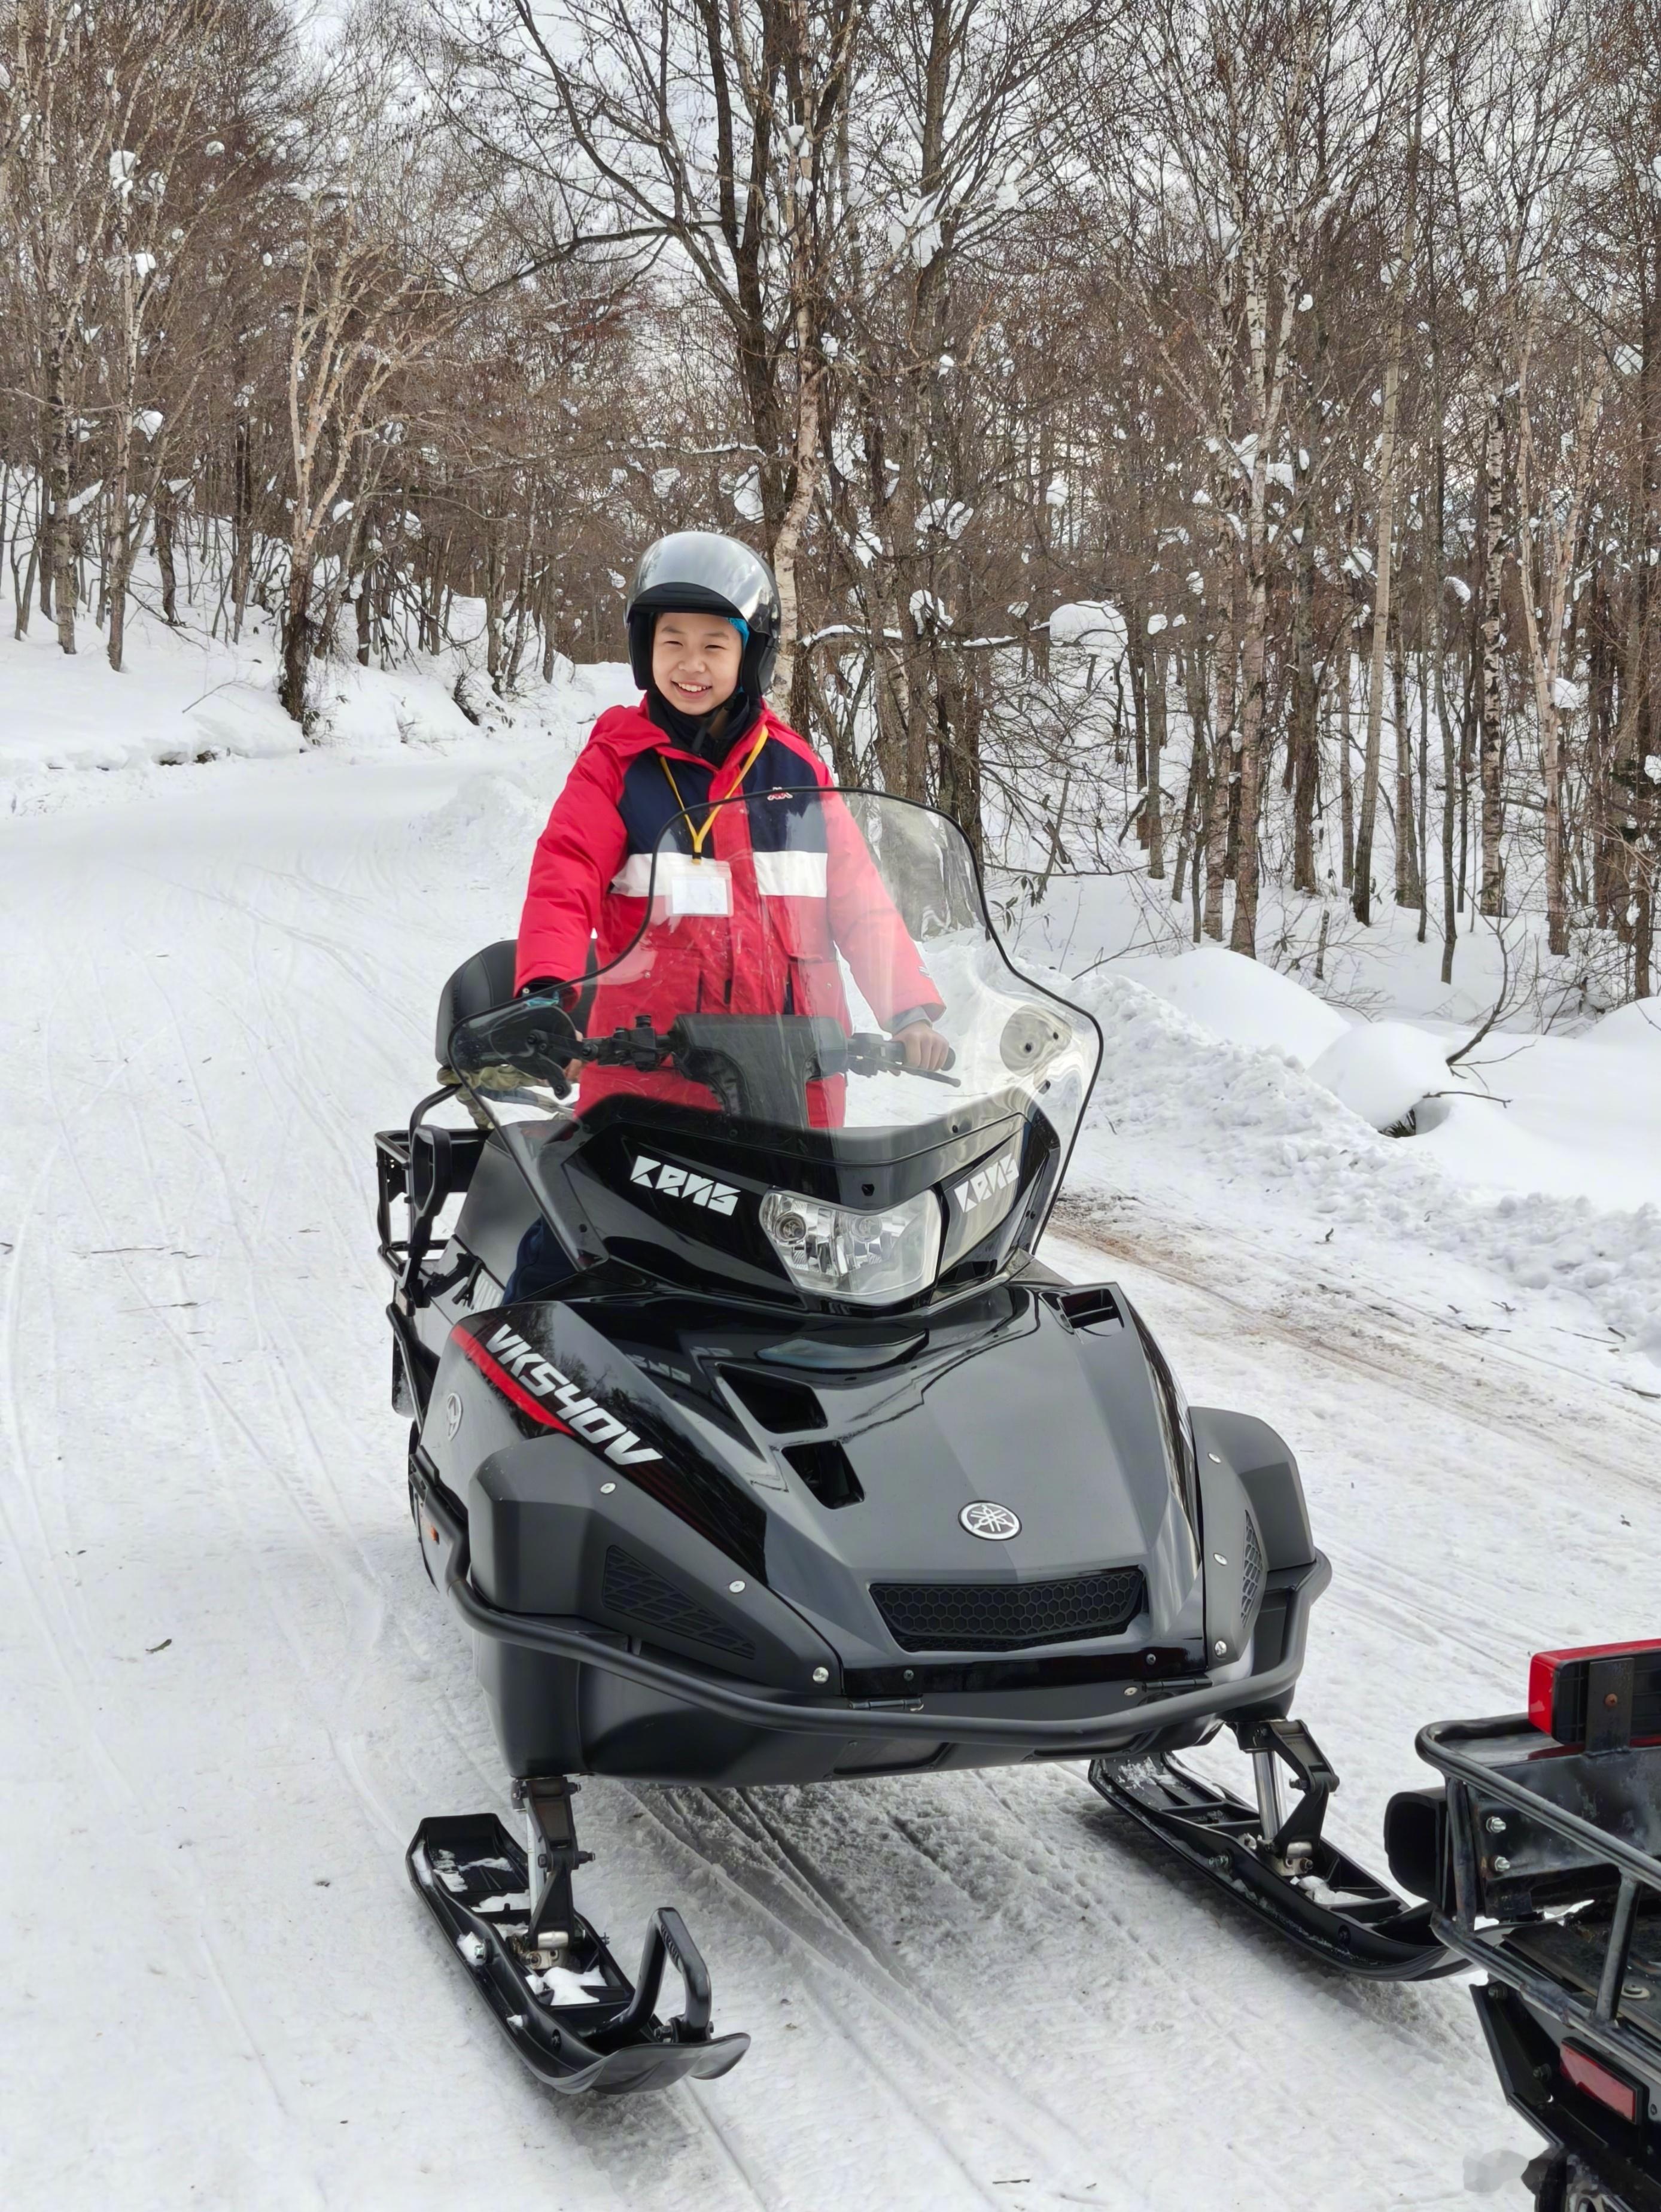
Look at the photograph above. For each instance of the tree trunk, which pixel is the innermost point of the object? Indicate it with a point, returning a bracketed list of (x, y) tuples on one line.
[(1450, 911), (167, 508), (1346, 746), (60, 565), (296, 644), (241, 526), (1243, 937), (1221, 774), (786, 543), (1400, 285), (1491, 744), (1153, 816), (1303, 752), (1406, 857), (1362, 902)]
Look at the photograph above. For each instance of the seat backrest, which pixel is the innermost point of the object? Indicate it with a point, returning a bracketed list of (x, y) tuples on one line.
[(483, 981)]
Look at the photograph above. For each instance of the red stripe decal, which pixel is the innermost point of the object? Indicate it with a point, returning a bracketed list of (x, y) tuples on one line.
[(515, 1393)]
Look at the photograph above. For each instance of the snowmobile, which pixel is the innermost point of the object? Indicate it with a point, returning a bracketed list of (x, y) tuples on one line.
[(799, 1465), (1539, 1853)]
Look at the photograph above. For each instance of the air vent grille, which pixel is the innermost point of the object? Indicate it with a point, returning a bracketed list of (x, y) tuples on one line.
[(828, 1472), (1251, 1569), (782, 1406), (1005, 1616), (632, 1587)]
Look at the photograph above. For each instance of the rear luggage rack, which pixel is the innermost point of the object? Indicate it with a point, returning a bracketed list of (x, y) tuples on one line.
[(1005, 1616), (1513, 1845), (422, 1166), (1543, 1860)]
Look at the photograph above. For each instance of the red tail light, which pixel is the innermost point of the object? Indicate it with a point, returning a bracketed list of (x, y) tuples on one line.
[(1599, 2081), (1559, 1682)]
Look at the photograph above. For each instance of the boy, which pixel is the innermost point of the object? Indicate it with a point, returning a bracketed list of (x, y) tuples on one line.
[(762, 894)]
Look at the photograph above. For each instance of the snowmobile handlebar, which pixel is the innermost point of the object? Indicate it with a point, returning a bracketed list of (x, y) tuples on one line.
[(1269, 1689), (862, 1051), (537, 1034)]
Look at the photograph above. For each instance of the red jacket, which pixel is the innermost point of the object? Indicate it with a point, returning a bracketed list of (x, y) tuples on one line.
[(792, 909)]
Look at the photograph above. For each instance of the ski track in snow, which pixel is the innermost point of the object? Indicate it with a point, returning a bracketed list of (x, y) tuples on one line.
[(234, 1693)]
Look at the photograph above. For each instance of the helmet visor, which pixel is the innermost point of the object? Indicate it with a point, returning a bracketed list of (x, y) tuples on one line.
[(698, 568)]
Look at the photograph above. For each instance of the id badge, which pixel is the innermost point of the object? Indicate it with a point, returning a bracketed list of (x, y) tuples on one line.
[(698, 887)]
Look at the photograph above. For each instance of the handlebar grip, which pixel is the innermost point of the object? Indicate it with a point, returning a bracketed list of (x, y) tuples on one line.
[(894, 1053)]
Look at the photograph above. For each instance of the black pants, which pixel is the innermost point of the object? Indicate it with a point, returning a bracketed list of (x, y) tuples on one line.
[(540, 1266)]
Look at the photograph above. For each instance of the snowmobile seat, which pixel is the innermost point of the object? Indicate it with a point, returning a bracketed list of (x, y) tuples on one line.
[(483, 981)]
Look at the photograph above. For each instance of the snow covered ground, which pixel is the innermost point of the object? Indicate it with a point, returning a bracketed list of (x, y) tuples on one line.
[(232, 1694)]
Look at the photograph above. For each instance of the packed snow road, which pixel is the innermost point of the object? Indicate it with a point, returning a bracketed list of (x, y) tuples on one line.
[(231, 1694)]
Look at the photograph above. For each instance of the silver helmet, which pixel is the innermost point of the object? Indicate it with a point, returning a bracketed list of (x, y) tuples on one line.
[(698, 572)]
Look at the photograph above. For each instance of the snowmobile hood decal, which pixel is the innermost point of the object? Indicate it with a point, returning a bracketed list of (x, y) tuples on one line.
[(528, 1381), (513, 1352)]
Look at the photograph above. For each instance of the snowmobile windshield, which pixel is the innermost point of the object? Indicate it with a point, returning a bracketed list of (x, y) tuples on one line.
[(820, 966)]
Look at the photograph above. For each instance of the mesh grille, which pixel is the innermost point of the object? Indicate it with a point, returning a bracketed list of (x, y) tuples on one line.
[(1003, 1616), (631, 1587), (1251, 1568)]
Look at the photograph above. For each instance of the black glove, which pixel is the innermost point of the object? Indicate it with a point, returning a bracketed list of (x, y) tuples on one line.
[(535, 1034)]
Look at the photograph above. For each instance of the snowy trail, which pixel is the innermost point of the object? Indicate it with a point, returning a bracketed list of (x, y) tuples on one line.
[(232, 1693)]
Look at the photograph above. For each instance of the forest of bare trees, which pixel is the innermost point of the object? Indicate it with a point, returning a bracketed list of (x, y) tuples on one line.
[(1319, 338)]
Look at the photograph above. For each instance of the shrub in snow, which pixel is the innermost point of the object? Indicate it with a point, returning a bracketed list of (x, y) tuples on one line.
[(1381, 1070)]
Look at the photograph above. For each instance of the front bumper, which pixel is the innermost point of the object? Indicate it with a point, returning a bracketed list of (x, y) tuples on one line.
[(1137, 1711)]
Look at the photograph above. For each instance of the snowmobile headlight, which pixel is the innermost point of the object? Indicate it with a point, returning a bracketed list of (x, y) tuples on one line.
[(873, 1258)]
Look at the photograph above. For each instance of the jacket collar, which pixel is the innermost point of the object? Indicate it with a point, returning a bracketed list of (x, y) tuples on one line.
[(628, 731)]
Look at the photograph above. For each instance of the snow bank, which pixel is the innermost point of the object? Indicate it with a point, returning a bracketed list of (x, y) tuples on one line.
[(1088, 626), (1220, 1121), (177, 699), (375, 710), (1381, 1070), (236, 721), (1245, 1003), (1634, 1028), (482, 835)]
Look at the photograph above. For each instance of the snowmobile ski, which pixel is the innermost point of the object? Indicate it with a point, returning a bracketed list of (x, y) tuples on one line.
[(557, 1993), (1278, 1864)]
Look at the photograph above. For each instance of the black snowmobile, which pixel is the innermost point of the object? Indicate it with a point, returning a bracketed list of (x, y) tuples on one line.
[(1541, 1854), (753, 1444)]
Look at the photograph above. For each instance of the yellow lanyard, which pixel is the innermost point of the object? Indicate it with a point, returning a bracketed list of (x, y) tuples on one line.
[(699, 834)]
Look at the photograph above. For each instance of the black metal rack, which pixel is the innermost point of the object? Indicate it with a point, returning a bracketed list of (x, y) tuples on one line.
[(1551, 1876)]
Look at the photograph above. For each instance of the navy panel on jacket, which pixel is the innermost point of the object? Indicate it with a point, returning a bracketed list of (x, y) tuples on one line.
[(647, 804)]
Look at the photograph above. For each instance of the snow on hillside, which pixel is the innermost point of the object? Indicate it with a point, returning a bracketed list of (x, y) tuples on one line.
[(188, 696)]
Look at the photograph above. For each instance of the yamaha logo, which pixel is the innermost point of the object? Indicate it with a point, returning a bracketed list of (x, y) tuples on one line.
[(996, 1523), (452, 1414)]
